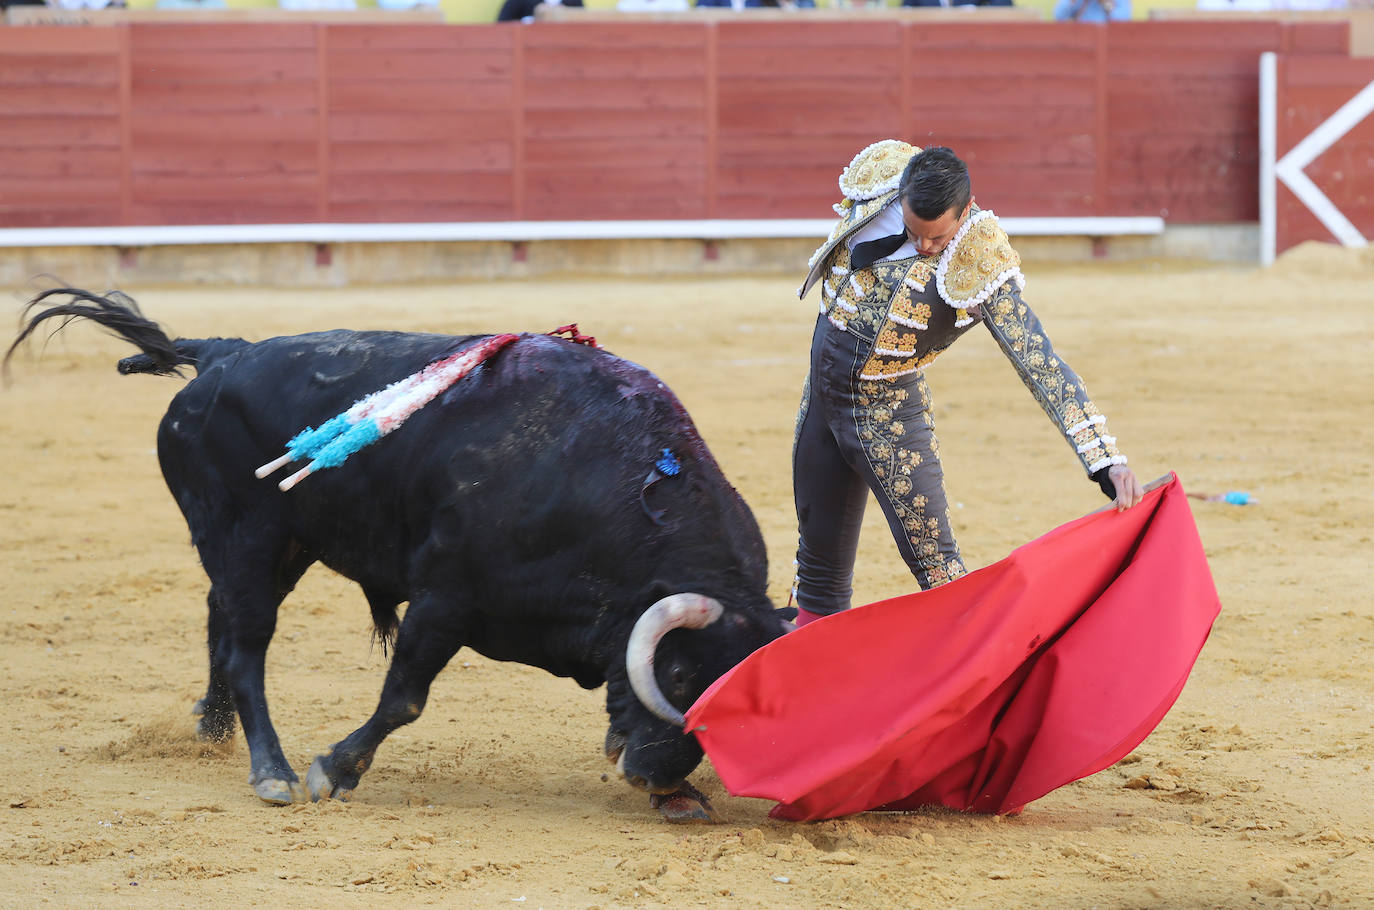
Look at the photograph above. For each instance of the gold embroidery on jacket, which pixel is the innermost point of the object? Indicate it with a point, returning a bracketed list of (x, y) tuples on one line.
[(895, 343), (876, 169), (921, 273), (895, 354), (1055, 386), (915, 315), (982, 260), (859, 285), (832, 289)]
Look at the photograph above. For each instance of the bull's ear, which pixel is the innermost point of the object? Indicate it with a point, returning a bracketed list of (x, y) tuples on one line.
[(786, 614)]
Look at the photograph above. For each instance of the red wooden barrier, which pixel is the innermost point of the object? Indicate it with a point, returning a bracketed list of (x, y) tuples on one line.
[(614, 122), (62, 151), (796, 103), (1184, 114), (1311, 89), (421, 123), (1028, 122), (294, 122), (223, 124)]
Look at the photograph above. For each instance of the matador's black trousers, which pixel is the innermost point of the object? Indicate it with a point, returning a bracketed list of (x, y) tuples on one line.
[(854, 436)]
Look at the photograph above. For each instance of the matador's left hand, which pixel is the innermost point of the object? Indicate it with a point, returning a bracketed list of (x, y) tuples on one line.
[(1128, 488)]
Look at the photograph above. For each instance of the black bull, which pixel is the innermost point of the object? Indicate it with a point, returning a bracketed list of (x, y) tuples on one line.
[(519, 514)]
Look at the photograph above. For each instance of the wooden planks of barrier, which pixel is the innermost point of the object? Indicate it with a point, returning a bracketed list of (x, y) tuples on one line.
[(223, 123), (615, 121), (421, 123), (62, 115), (290, 122)]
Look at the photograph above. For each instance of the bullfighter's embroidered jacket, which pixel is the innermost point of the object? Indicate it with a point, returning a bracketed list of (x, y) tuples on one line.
[(912, 309)]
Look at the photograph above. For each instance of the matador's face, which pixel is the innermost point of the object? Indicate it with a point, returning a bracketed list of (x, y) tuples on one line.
[(931, 237)]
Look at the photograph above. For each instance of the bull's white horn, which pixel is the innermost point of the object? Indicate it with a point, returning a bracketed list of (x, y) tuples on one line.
[(677, 611)]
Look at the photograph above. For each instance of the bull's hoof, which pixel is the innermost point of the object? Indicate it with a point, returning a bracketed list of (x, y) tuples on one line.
[(685, 806), (277, 792), (321, 786)]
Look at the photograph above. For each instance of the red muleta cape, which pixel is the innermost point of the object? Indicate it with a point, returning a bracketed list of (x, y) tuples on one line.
[(980, 695)]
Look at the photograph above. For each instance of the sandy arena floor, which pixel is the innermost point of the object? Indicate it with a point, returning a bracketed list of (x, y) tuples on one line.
[(1259, 779)]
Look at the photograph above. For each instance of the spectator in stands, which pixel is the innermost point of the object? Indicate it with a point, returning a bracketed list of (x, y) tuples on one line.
[(192, 4), (87, 4), (956, 3), (1092, 10), (408, 4), (523, 10), (652, 6), (317, 4), (1269, 5), (911, 266), (757, 4)]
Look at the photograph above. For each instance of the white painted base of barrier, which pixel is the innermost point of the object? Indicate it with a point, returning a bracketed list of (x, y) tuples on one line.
[(517, 231)]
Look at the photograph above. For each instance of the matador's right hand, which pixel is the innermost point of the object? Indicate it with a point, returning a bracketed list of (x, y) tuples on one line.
[(1126, 485)]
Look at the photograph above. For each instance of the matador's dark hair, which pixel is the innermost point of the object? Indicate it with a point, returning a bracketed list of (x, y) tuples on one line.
[(935, 181)]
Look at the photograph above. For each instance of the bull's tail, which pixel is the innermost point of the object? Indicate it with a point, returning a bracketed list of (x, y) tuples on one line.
[(119, 314)]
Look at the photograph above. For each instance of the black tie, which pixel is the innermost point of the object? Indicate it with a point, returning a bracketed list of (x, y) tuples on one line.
[(869, 252)]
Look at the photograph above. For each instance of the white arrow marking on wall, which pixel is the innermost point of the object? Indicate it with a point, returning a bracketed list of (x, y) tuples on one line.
[(1290, 168)]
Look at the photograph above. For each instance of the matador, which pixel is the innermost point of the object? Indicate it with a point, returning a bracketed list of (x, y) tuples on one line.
[(911, 265)]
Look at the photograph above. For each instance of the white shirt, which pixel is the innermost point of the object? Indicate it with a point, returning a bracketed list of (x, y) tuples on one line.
[(885, 224)]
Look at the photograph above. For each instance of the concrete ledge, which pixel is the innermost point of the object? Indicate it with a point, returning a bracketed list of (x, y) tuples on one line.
[(298, 264), (816, 229)]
